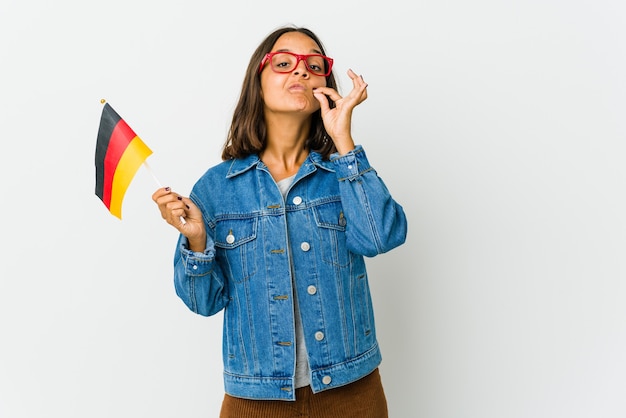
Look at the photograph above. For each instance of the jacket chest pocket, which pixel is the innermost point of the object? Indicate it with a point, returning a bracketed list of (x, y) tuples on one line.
[(235, 241), (331, 228)]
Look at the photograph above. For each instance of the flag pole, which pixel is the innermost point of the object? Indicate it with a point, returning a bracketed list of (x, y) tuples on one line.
[(156, 180)]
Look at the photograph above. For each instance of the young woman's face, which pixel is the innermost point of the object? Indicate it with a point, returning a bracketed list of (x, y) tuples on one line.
[(293, 91)]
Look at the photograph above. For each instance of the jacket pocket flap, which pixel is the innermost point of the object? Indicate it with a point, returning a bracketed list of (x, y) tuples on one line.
[(231, 233)]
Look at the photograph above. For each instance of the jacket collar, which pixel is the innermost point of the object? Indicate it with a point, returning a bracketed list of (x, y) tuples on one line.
[(241, 165)]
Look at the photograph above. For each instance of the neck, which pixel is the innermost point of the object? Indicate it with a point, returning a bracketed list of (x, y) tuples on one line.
[(283, 161), (285, 149)]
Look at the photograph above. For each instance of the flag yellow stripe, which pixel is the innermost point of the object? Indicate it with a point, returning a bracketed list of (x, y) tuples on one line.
[(134, 155)]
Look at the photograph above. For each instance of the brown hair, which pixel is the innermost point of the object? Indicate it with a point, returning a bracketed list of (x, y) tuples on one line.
[(247, 134)]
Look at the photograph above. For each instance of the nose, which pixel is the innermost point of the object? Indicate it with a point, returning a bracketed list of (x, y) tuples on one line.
[(301, 68)]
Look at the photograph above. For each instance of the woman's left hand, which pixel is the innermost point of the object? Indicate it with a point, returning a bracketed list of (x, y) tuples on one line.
[(337, 121)]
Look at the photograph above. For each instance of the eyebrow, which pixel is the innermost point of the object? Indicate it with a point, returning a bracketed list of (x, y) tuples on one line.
[(315, 51)]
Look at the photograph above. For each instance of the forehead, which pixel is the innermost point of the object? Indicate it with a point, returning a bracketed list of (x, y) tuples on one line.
[(296, 41)]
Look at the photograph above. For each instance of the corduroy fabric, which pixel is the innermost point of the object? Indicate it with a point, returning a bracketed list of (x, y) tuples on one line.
[(364, 398)]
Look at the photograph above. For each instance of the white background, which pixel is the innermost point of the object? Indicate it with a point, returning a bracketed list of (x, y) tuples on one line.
[(498, 125)]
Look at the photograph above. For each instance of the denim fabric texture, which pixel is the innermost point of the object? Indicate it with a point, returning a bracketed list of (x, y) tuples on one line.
[(336, 213)]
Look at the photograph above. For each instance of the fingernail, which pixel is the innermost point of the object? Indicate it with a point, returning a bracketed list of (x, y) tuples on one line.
[(188, 207), (179, 198), (167, 189)]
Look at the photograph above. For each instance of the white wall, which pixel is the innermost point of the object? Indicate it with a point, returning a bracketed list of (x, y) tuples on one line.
[(498, 125)]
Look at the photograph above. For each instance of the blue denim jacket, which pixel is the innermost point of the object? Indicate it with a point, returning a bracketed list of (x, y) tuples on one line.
[(263, 250)]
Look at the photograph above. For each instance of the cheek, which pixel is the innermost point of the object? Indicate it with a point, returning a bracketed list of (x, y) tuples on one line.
[(269, 86), (321, 83), (269, 96)]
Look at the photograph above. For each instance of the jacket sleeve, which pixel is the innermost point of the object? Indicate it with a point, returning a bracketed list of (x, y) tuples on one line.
[(375, 222), (198, 279)]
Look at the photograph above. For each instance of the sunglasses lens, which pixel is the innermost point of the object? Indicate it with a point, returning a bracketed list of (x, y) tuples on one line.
[(317, 64), (284, 62)]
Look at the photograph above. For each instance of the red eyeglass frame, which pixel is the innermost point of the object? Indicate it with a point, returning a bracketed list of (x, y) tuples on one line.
[(299, 57)]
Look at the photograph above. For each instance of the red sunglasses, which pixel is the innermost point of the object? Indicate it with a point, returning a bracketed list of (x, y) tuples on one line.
[(286, 62)]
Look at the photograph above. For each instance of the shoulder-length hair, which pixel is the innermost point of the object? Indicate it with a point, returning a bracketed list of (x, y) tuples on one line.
[(247, 134)]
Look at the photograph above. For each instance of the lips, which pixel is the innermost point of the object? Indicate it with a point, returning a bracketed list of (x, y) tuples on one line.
[(297, 87)]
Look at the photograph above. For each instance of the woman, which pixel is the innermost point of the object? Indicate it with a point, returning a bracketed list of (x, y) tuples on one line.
[(276, 236)]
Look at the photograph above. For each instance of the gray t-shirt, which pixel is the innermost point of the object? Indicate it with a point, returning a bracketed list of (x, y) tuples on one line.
[(303, 371)]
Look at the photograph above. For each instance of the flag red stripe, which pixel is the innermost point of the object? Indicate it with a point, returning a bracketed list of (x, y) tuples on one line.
[(121, 137)]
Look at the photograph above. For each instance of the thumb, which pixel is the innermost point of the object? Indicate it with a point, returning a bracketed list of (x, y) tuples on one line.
[(321, 97)]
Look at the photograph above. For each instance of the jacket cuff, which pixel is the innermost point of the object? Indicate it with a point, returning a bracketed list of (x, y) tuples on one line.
[(350, 165), (196, 264)]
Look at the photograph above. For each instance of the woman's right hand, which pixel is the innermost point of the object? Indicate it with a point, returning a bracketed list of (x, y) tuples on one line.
[(182, 214)]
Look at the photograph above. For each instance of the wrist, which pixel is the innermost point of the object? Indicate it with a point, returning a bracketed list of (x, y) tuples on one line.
[(344, 146), (197, 244)]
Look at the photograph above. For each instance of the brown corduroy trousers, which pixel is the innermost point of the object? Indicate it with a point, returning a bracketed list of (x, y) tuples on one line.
[(364, 398)]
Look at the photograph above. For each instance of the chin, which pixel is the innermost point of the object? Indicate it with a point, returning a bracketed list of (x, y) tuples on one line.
[(305, 106)]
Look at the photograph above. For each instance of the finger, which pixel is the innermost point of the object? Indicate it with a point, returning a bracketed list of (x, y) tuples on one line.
[(177, 218), (321, 97), (175, 214), (172, 202), (327, 91), (357, 80), (192, 212), (160, 192), (163, 200), (360, 86)]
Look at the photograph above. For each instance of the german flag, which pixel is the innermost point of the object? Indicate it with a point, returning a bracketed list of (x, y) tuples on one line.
[(119, 153)]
